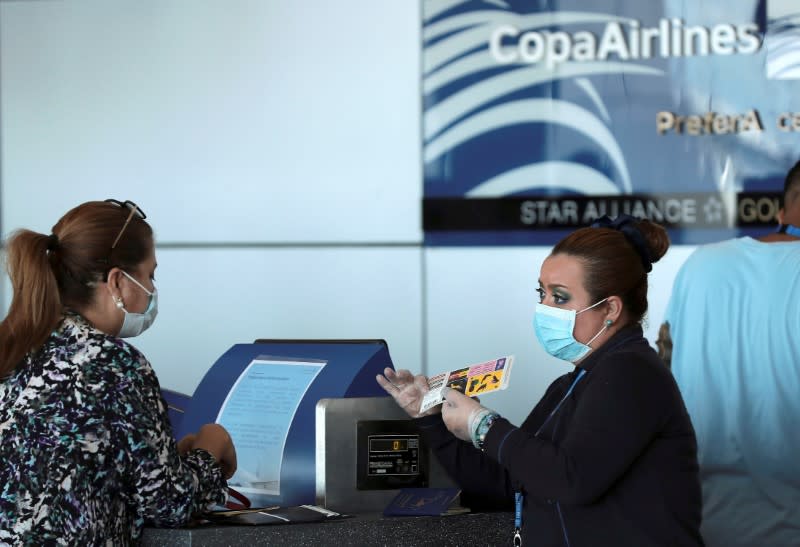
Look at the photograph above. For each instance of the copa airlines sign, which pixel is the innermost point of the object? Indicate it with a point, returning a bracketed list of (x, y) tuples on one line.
[(625, 41)]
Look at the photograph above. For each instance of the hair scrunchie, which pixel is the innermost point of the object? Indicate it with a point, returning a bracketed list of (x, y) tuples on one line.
[(52, 242), (627, 225)]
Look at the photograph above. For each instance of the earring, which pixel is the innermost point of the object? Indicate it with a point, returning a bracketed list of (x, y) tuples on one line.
[(609, 322), (118, 301)]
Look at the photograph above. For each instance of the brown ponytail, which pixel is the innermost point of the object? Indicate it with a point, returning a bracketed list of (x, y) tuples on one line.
[(36, 305), (49, 273)]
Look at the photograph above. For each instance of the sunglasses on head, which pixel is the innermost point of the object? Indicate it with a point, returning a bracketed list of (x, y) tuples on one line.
[(134, 211)]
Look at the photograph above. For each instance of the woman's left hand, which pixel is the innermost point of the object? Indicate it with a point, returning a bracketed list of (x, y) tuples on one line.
[(186, 443), (456, 411)]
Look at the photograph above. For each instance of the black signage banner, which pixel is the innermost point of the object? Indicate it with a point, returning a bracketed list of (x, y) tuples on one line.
[(685, 210)]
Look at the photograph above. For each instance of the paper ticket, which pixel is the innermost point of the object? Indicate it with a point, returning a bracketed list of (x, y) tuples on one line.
[(471, 380)]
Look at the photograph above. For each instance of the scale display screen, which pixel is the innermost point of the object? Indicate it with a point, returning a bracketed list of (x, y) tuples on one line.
[(391, 454)]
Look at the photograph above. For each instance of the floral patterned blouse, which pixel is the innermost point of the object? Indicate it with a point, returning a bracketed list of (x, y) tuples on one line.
[(86, 449)]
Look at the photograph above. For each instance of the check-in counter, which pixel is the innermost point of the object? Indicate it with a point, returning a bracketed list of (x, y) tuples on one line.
[(371, 529), (341, 444)]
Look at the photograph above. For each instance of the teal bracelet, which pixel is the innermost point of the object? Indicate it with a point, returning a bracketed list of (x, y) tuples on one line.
[(483, 428)]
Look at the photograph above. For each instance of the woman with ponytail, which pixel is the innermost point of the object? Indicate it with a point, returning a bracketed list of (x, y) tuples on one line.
[(86, 448)]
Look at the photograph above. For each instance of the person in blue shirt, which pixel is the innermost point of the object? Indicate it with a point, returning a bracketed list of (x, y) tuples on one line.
[(732, 323), (608, 455)]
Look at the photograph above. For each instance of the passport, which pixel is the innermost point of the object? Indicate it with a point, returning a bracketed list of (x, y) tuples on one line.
[(424, 502)]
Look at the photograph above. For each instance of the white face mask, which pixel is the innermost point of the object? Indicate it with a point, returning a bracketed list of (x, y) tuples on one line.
[(135, 324)]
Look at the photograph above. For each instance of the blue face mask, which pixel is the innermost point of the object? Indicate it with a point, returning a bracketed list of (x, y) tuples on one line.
[(554, 328)]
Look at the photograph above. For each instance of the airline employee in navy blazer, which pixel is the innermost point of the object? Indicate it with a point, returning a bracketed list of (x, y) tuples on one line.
[(608, 456)]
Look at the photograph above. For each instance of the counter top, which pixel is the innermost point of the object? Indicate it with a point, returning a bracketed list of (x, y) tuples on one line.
[(373, 529)]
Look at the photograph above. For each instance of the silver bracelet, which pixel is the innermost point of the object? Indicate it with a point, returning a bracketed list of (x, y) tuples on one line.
[(482, 425)]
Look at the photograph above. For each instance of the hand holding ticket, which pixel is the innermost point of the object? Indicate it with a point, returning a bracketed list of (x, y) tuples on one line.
[(471, 381)]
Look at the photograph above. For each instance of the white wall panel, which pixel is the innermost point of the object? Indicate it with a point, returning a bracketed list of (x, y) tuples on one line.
[(660, 289), (212, 299), (229, 120)]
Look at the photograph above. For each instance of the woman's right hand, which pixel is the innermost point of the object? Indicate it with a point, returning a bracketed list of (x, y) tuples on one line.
[(407, 390), (215, 439)]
